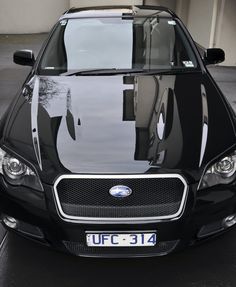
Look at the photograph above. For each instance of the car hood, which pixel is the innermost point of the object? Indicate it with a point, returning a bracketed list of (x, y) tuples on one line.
[(120, 124)]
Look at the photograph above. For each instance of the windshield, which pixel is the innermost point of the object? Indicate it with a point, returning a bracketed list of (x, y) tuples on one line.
[(148, 43)]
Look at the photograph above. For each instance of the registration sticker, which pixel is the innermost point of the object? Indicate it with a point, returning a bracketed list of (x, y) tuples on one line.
[(121, 239), (172, 22), (63, 22), (188, 64)]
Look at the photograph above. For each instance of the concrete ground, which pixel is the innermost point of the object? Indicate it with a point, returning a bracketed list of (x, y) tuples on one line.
[(25, 264)]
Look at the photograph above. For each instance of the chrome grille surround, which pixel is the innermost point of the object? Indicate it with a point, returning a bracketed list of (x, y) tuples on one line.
[(119, 220)]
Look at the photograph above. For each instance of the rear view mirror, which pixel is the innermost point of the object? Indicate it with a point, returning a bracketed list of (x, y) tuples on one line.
[(24, 58), (214, 56)]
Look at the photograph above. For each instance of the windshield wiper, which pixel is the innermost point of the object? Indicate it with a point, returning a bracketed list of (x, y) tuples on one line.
[(171, 71), (114, 71), (88, 71)]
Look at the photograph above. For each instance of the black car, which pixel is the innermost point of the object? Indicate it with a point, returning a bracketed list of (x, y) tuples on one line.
[(119, 143)]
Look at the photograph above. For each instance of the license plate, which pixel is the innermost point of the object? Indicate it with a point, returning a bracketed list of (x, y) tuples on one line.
[(121, 239)]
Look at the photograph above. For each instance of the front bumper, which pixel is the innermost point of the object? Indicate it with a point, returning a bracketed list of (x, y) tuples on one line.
[(202, 217)]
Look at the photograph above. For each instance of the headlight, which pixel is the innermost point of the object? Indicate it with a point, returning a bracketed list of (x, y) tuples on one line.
[(17, 173), (222, 172)]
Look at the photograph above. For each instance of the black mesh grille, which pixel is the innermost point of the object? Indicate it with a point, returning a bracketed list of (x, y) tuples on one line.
[(89, 197), (79, 249)]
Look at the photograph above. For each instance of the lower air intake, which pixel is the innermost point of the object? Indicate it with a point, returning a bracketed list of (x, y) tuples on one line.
[(162, 248)]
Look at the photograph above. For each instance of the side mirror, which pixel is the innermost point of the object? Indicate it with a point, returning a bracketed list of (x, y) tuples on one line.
[(24, 58), (214, 56)]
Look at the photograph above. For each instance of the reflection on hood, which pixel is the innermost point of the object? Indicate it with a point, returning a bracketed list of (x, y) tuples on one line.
[(122, 124)]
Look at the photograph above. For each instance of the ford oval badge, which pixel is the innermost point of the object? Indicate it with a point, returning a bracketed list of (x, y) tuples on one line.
[(120, 191)]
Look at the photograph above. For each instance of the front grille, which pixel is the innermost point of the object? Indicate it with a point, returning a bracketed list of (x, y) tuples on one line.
[(87, 197), (79, 249)]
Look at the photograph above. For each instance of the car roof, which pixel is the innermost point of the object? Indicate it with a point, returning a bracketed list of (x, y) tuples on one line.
[(118, 11)]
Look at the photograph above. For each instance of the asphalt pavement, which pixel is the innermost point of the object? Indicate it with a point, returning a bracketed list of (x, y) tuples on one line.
[(26, 264)]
